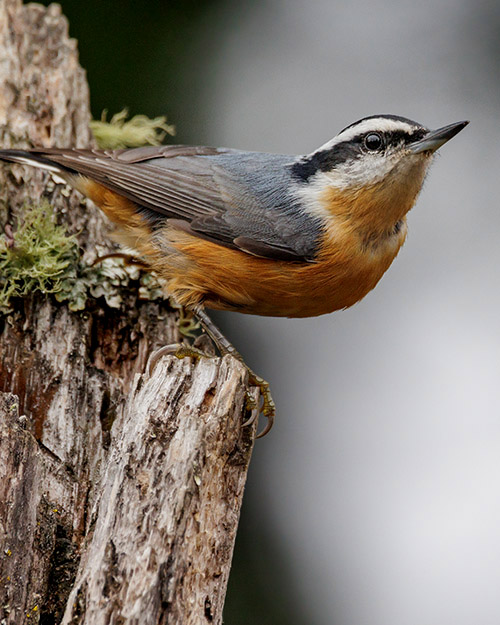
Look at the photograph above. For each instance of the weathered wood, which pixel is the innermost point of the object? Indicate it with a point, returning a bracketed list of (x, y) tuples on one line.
[(119, 492), (164, 524)]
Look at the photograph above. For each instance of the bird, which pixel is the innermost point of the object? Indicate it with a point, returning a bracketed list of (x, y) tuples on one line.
[(260, 233)]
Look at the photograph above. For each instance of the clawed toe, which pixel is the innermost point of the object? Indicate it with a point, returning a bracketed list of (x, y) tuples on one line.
[(176, 349), (268, 409)]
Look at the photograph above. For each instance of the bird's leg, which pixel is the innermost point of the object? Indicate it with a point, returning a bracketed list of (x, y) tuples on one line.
[(224, 347)]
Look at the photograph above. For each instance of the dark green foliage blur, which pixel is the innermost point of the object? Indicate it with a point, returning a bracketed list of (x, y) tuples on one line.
[(143, 55)]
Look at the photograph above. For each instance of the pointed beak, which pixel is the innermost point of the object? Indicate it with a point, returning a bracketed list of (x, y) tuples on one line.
[(436, 138)]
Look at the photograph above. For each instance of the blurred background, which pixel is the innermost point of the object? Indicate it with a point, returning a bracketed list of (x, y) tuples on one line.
[(376, 498)]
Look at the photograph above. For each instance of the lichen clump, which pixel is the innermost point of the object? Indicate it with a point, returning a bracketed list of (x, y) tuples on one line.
[(121, 132), (37, 257)]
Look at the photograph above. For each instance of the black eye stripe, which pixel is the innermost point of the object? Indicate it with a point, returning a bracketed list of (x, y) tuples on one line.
[(396, 137), (340, 153), (325, 160)]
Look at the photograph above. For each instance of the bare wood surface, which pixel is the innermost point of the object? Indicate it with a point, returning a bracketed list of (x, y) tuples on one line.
[(119, 493)]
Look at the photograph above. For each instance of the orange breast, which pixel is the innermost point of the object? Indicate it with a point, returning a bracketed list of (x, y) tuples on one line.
[(199, 271)]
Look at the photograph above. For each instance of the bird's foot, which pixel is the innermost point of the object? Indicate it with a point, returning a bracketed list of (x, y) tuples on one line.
[(176, 349), (268, 408)]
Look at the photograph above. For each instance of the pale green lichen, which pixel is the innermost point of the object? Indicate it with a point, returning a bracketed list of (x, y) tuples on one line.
[(107, 279), (121, 132), (38, 257)]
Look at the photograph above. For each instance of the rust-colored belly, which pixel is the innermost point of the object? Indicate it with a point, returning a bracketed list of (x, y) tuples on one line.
[(203, 272)]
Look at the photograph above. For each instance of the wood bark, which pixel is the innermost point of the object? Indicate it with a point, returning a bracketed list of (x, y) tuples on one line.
[(120, 491)]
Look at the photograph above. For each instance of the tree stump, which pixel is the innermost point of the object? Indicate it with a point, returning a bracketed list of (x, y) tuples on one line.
[(120, 491)]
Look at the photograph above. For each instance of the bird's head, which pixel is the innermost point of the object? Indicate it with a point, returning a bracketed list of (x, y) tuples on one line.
[(373, 170)]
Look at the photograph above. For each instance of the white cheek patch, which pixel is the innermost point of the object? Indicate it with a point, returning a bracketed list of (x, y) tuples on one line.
[(360, 172)]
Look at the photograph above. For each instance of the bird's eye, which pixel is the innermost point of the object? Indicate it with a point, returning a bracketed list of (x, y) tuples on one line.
[(373, 141)]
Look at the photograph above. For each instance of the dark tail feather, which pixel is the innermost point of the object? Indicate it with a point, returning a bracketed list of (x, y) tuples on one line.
[(33, 158)]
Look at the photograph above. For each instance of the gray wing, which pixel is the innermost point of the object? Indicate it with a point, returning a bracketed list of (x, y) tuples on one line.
[(238, 199)]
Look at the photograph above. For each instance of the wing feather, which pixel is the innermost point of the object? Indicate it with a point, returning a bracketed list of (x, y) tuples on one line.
[(238, 199)]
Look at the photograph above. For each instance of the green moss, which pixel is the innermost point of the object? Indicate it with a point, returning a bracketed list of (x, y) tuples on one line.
[(122, 133), (38, 257)]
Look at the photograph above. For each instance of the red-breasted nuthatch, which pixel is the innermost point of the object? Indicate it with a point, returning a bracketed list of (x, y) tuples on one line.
[(265, 234)]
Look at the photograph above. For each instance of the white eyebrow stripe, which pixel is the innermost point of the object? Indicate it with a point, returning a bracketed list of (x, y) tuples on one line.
[(380, 124)]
